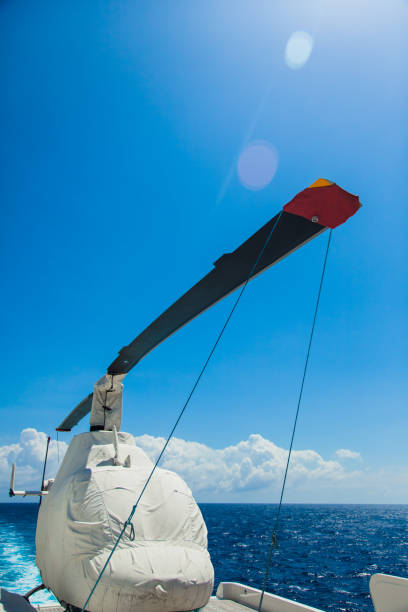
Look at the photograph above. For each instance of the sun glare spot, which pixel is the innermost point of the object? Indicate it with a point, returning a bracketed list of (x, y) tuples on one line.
[(257, 165), (298, 49)]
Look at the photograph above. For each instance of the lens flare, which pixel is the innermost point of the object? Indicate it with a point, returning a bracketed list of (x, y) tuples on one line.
[(257, 165), (298, 49)]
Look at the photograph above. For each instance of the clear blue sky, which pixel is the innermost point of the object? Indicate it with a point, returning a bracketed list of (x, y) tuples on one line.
[(122, 123)]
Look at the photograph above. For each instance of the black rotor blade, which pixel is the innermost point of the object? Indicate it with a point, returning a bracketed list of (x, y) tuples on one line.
[(78, 413), (230, 272)]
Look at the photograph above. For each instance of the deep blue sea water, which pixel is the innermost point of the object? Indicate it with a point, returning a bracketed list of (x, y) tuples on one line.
[(325, 558)]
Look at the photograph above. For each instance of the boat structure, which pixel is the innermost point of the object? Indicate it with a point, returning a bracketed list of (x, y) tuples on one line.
[(116, 532)]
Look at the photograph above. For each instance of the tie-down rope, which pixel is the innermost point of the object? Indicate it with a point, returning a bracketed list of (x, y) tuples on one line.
[(274, 541), (183, 410)]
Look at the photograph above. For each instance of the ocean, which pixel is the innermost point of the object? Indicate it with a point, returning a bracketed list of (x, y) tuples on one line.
[(325, 558)]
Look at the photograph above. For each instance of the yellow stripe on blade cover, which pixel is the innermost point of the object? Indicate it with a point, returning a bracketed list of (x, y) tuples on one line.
[(321, 183)]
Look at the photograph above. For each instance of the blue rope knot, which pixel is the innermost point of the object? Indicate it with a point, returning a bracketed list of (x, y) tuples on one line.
[(274, 542), (131, 535)]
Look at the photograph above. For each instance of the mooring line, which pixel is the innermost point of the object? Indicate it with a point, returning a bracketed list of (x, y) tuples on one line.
[(204, 367), (274, 541)]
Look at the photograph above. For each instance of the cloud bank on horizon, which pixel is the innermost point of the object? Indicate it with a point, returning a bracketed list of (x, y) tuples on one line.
[(254, 464), (28, 455), (250, 470)]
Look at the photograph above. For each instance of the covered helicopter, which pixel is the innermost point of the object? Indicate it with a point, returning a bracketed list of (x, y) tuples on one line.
[(161, 563)]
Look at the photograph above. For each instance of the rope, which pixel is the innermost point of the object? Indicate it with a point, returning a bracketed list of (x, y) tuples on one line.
[(274, 541), (44, 468), (204, 367)]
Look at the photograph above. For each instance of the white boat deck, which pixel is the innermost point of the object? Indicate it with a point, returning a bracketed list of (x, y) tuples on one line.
[(389, 594), (214, 605), (231, 597), (223, 605)]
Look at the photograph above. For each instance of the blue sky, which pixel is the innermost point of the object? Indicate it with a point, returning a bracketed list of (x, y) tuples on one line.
[(122, 127)]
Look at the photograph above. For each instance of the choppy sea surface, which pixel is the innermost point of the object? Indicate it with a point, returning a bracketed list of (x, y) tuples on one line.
[(325, 558)]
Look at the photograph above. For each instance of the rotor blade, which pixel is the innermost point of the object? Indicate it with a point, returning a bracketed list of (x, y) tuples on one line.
[(322, 202), (230, 272), (78, 413)]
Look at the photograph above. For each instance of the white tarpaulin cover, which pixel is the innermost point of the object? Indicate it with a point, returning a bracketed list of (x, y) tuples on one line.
[(164, 566)]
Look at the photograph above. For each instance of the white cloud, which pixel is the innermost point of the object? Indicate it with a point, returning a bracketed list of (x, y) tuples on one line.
[(250, 470), (345, 453), (252, 464), (28, 455)]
